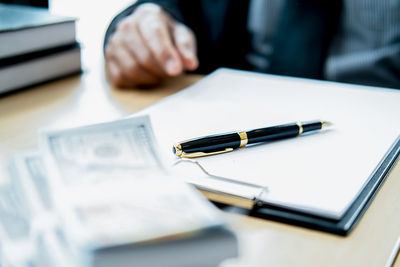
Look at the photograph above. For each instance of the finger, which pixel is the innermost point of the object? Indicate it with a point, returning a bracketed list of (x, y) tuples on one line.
[(129, 71), (186, 44), (134, 43), (112, 68), (133, 73), (116, 76), (156, 36)]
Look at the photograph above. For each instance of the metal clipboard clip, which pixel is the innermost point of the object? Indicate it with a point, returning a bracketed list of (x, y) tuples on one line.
[(226, 190)]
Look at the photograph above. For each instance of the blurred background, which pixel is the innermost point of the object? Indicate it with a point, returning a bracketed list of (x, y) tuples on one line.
[(93, 20)]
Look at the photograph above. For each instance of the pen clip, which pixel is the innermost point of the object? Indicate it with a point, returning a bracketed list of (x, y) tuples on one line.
[(203, 154)]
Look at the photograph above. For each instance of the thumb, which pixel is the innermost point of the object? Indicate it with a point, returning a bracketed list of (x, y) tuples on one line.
[(185, 43)]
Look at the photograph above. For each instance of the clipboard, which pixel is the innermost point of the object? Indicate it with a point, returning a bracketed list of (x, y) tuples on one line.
[(323, 181)]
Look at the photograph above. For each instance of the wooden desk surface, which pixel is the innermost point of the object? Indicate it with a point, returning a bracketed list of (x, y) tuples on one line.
[(89, 98)]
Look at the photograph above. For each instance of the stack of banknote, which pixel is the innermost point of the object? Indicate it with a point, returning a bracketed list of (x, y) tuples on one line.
[(100, 195)]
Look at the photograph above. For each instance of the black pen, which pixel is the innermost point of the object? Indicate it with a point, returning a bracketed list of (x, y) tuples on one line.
[(226, 142)]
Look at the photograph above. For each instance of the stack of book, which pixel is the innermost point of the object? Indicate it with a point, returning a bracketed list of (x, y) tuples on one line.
[(35, 47)]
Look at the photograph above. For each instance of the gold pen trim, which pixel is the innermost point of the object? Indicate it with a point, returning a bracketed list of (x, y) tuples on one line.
[(203, 154), (300, 128), (243, 139)]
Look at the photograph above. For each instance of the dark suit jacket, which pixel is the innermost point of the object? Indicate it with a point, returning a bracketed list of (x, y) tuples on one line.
[(224, 41), (219, 26)]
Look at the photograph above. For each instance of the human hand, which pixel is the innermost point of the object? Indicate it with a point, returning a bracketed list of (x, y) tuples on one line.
[(148, 46)]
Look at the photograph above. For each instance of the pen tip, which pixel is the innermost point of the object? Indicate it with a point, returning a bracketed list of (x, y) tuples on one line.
[(326, 124), (177, 150)]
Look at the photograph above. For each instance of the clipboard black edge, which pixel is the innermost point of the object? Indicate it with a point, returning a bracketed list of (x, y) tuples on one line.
[(353, 214)]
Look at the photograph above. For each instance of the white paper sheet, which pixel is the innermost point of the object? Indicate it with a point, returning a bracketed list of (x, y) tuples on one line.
[(320, 173)]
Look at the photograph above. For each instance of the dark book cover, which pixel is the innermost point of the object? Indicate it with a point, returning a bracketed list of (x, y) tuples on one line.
[(18, 17), (25, 29), (38, 3), (27, 70)]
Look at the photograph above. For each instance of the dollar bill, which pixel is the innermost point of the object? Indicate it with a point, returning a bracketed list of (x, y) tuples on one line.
[(126, 216), (110, 188), (88, 155), (52, 250), (15, 212), (17, 248), (29, 174), (134, 212), (92, 192), (29, 230), (113, 188)]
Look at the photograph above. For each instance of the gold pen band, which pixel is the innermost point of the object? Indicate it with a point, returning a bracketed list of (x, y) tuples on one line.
[(243, 139), (300, 128)]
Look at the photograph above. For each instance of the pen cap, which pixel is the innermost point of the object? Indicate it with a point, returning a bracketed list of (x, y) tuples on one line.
[(272, 133), (211, 143)]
